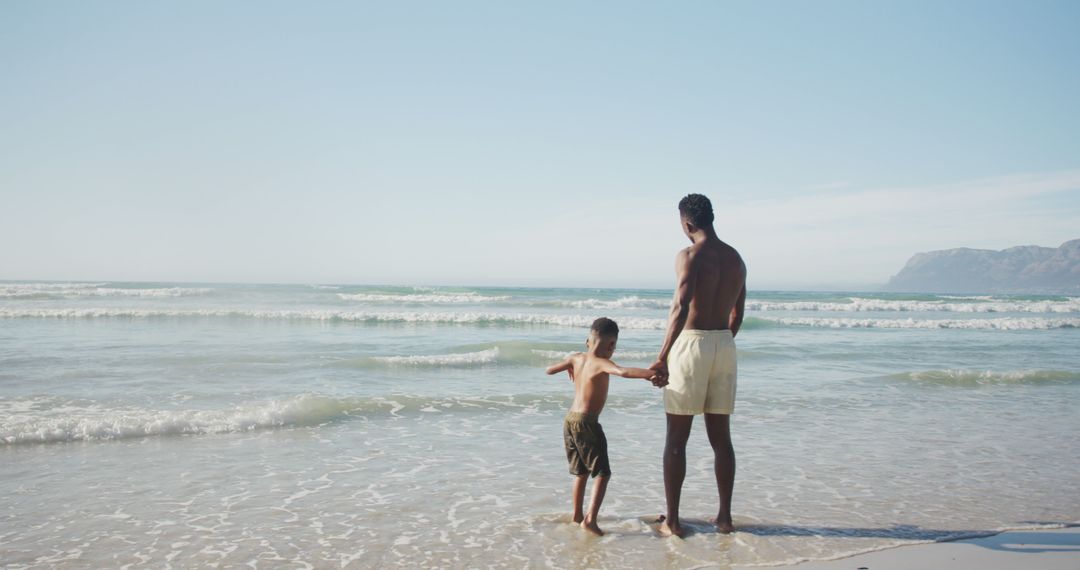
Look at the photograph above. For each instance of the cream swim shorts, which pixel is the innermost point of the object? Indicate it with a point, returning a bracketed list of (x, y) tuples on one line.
[(702, 372)]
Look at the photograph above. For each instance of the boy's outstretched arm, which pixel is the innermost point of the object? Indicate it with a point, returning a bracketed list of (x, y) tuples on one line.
[(567, 364), (630, 372)]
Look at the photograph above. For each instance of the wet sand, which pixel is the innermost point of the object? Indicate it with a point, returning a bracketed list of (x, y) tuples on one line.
[(1050, 549)]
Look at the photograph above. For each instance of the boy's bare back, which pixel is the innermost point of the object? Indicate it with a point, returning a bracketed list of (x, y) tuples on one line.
[(592, 370), (591, 380)]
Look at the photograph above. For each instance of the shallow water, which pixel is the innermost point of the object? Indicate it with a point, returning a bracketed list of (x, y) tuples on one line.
[(344, 426)]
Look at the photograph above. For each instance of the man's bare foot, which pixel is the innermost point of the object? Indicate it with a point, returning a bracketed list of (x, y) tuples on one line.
[(591, 526), (577, 518), (723, 524), (667, 529)]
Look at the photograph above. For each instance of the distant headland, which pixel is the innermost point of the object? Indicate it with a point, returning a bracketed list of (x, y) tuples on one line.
[(1025, 269)]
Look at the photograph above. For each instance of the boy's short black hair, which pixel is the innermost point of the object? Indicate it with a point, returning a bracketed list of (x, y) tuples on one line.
[(697, 209), (605, 327)]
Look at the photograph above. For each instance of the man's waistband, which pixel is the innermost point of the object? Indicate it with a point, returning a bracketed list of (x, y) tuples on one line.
[(699, 332)]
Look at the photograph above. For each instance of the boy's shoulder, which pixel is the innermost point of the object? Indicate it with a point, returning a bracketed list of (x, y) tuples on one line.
[(592, 360)]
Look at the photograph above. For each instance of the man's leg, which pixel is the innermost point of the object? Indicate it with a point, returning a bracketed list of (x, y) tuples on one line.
[(678, 431), (599, 487), (718, 427), (579, 496)]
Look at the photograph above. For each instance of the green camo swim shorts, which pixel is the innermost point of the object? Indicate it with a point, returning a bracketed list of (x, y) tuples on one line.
[(586, 445)]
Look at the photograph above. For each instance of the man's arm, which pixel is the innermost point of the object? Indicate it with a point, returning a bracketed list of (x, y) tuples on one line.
[(685, 279), (735, 321)]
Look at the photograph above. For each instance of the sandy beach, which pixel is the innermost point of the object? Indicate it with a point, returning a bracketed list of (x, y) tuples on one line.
[(1050, 549)]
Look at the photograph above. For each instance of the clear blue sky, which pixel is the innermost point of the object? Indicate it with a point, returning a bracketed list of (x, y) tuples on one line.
[(528, 143)]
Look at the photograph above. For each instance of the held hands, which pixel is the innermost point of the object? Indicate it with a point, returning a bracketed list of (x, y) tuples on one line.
[(660, 378)]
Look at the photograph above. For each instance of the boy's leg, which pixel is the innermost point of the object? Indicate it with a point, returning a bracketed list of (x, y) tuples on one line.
[(599, 487), (579, 496), (578, 468), (718, 427), (678, 431)]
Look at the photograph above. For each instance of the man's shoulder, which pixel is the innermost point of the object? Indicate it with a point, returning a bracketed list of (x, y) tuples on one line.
[(698, 253), (729, 253), (689, 255)]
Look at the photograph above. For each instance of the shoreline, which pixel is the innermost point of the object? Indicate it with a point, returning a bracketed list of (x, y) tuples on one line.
[(1044, 548)]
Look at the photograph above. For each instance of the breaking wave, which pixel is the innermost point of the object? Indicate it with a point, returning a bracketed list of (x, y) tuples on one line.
[(463, 359), (619, 354), (961, 377), (857, 304), (77, 290), (427, 298), (475, 318), (508, 352), (631, 302), (1006, 323), (89, 423), (48, 420)]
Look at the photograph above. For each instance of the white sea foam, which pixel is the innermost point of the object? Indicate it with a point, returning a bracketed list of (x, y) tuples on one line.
[(48, 286), (857, 304), (1005, 323), (554, 354), (159, 292), (48, 420), (461, 359), (619, 354), (325, 287), (88, 423), (430, 298), (480, 318), (74, 290), (631, 302), (634, 354), (981, 377)]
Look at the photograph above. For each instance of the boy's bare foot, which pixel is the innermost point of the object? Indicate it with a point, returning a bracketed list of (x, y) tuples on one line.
[(667, 529), (723, 524), (577, 518), (591, 526)]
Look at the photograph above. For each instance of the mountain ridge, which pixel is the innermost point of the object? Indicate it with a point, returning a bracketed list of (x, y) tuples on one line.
[(1022, 269)]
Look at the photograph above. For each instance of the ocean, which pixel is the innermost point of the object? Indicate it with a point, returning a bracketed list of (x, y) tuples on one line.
[(337, 426)]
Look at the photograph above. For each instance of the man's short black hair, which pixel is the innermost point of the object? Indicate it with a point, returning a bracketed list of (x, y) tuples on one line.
[(697, 209), (605, 327)]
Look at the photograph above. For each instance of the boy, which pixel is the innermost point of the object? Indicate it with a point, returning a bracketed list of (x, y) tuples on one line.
[(586, 446)]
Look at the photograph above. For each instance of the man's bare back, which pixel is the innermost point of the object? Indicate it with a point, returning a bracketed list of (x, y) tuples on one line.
[(719, 279)]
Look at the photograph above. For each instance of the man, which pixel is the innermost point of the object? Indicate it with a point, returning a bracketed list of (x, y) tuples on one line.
[(698, 356)]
